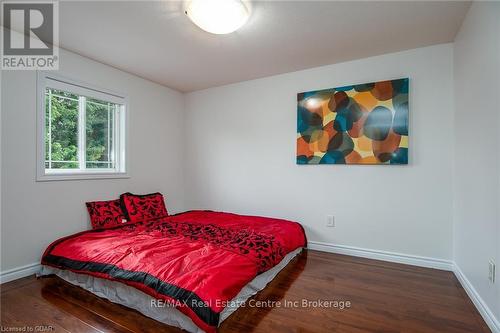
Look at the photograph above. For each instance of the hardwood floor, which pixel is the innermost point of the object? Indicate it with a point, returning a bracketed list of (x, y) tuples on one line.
[(384, 297)]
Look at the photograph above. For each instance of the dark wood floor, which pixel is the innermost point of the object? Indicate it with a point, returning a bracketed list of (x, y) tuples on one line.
[(384, 297)]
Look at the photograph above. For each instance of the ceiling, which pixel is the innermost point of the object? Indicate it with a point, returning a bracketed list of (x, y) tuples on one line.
[(155, 40)]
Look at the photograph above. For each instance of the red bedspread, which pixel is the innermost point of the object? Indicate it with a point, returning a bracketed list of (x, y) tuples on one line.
[(198, 259)]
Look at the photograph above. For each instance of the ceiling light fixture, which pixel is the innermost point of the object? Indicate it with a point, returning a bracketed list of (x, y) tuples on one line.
[(218, 16)]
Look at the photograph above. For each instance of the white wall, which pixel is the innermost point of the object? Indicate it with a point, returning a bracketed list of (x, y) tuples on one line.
[(36, 213), (477, 153), (240, 157)]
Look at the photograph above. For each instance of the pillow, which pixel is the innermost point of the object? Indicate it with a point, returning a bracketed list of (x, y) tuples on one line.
[(143, 207), (105, 214)]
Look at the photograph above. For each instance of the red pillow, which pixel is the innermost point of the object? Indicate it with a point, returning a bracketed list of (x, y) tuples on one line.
[(105, 214), (143, 207)]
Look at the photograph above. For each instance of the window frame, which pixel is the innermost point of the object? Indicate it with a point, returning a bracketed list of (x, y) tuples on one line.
[(49, 80)]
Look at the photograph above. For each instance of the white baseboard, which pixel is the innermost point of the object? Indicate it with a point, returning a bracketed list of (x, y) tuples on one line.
[(481, 306), (19, 272), (400, 258)]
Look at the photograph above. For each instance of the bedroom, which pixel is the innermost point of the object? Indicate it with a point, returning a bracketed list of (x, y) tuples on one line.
[(278, 193)]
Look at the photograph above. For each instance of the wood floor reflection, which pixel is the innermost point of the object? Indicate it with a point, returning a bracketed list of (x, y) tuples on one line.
[(384, 297)]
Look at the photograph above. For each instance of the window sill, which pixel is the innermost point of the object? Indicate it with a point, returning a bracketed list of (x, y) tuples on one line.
[(81, 176)]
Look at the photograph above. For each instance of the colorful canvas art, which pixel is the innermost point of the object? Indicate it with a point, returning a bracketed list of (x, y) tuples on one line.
[(358, 124)]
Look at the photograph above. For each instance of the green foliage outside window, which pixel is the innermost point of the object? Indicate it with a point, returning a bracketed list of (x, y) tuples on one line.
[(61, 131)]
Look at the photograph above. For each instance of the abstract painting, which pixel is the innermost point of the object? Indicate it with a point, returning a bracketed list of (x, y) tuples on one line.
[(358, 124)]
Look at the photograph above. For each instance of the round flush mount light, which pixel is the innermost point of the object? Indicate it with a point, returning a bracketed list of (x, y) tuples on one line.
[(218, 16)]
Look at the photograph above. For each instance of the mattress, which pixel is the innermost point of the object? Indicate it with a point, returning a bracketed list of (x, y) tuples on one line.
[(131, 297), (197, 261)]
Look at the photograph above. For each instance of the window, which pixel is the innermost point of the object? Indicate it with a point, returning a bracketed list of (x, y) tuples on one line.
[(81, 131)]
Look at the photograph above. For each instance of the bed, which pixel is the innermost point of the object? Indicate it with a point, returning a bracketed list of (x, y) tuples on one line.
[(189, 270)]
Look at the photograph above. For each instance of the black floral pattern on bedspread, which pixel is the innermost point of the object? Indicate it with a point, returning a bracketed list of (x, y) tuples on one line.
[(264, 248)]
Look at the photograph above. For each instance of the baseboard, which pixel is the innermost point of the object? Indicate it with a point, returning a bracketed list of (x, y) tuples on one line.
[(400, 258), (481, 306), (19, 272)]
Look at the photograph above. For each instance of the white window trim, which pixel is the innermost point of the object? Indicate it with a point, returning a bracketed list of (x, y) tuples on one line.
[(85, 89)]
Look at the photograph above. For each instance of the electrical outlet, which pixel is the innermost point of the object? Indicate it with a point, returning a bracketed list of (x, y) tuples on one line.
[(330, 221), (491, 271)]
